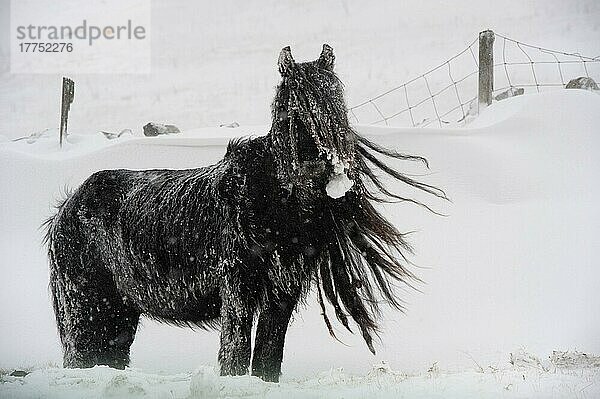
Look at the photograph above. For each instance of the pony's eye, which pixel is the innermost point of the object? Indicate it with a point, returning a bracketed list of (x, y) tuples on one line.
[(282, 115)]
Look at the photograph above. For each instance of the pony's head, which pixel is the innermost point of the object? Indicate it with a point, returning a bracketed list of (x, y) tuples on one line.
[(310, 130)]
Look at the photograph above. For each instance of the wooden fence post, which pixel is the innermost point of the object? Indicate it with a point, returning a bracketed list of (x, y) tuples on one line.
[(68, 92), (486, 68)]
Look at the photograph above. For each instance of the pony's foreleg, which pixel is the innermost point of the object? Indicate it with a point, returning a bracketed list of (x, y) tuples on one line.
[(236, 327), (270, 336)]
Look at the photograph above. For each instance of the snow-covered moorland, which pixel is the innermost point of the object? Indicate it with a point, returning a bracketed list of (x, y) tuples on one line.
[(511, 267), (512, 270)]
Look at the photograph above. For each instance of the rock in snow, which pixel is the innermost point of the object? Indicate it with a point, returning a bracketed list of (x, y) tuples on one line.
[(583, 82), (152, 129)]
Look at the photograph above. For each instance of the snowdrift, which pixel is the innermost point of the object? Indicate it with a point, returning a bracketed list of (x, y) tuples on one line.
[(513, 265), (526, 379)]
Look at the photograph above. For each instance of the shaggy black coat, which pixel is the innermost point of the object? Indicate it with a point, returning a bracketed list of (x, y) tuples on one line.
[(247, 237)]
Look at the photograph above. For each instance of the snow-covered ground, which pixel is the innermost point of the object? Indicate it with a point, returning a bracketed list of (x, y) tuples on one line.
[(525, 377), (512, 267)]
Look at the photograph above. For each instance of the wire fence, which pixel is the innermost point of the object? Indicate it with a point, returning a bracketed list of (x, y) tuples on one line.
[(447, 94)]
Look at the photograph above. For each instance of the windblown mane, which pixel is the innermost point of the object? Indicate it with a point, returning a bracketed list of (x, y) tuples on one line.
[(368, 254), (364, 254)]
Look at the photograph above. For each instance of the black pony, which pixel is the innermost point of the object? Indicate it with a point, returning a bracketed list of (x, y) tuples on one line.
[(247, 237)]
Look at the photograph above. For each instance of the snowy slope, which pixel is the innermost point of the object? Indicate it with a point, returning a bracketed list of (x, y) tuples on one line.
[(512, 265)]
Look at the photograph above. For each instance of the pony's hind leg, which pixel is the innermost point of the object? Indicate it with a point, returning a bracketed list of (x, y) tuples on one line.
[(96, 323)]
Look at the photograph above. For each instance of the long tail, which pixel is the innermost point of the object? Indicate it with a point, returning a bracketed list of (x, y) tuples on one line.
[(366, 254), (57, 282), (48, 225)]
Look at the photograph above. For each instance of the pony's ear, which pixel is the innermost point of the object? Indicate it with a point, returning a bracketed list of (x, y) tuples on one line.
[(327, 59), (286, 61)]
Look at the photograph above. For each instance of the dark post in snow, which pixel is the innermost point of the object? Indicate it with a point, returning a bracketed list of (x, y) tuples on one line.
[(68, 92), (486, 67)]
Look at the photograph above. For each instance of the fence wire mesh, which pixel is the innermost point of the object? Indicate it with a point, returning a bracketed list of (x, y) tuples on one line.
[(447, 94)]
